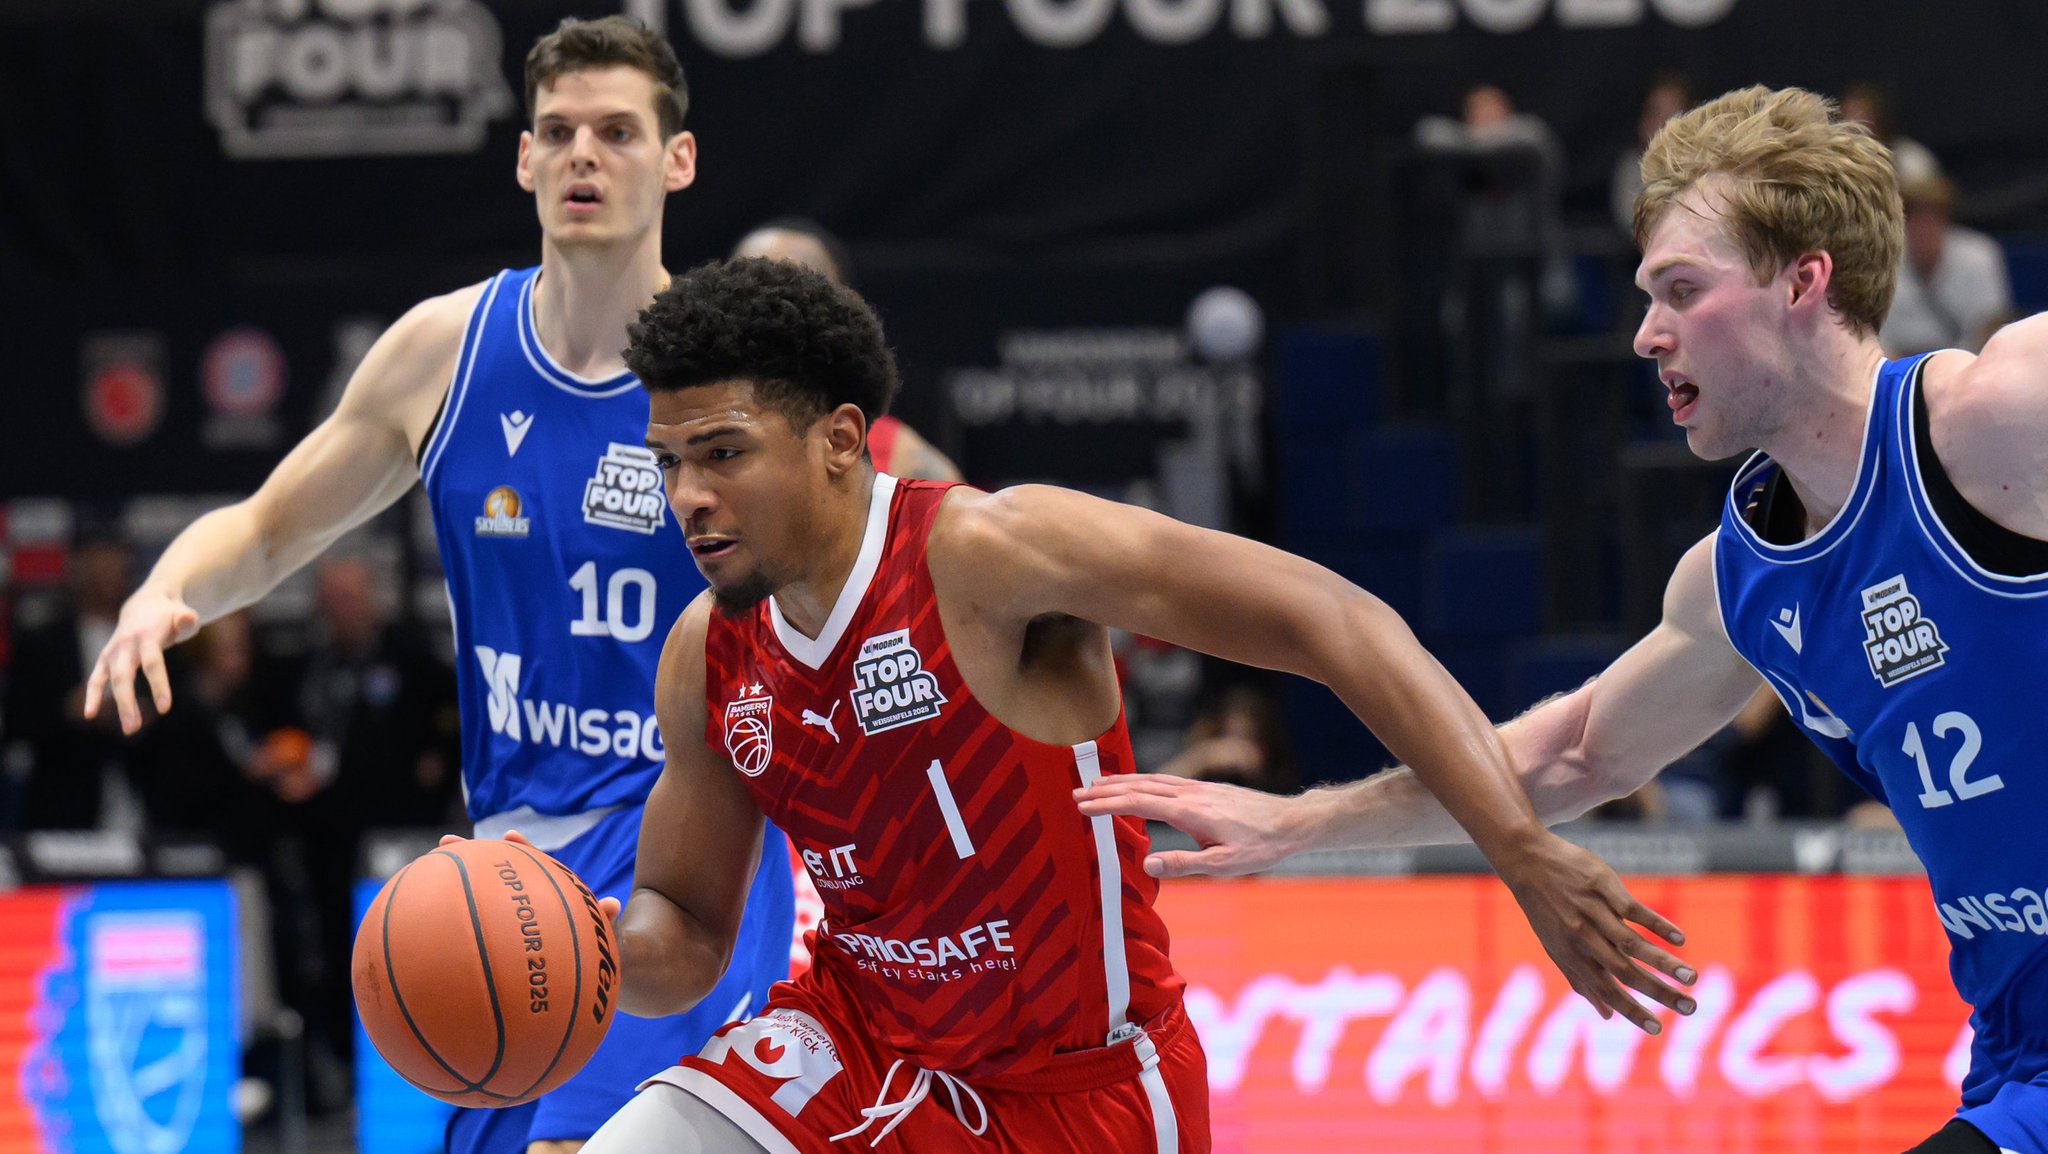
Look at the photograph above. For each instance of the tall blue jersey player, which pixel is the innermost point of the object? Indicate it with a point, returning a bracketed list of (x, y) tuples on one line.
[(509, 399), (1882, 562)]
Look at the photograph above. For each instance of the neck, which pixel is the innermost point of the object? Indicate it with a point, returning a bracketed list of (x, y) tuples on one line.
[(586, 297), (806, 602), (1820, 443)]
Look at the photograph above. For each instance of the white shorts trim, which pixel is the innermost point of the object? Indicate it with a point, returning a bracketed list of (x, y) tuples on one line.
[(719, 1097), (1164, 1124), (547, 831)]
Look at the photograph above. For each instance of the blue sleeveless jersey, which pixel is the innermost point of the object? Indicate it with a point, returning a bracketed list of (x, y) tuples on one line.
[(1921, 675), (565, 569)]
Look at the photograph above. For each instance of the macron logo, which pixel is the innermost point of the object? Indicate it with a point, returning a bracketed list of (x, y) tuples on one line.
[(1787, 626), (501, 682), (515, 424)]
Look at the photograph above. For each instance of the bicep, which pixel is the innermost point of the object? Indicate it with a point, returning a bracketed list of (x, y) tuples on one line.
[(359, 460), (1673, 689), (1060, 552)]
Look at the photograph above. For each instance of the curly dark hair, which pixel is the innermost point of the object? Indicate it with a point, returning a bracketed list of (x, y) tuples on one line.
[(807, 344)]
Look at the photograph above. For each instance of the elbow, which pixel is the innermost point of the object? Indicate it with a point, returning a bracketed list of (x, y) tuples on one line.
[(659, 978), (1596, 779)]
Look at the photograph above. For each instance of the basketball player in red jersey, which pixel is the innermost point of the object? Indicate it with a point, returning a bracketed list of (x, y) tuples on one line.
[(912, 678)]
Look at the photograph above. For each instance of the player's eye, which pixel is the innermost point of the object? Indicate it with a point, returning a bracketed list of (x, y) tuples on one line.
[(724, 454), (666, 461)]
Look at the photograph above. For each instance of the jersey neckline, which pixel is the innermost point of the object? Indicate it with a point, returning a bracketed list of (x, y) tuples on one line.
[(551, 370), (814, 652), (1845, 518)]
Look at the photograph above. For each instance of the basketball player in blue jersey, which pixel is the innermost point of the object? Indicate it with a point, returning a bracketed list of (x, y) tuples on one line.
[(1882, 562), (510, 401)]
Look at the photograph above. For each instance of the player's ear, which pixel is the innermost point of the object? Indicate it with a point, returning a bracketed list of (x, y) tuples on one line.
[(523, 170), (846, 437), (1810, 274), (679, 169)]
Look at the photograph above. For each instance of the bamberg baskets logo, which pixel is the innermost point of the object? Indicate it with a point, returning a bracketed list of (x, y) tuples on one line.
[(891, 686), (750, 730), (290, 78), (625, 492), (501, 514)]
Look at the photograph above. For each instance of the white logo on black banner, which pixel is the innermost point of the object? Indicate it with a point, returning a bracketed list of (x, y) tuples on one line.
[(352, 77), (750, 731), (891, 686), (626, 492), (1899, 640)]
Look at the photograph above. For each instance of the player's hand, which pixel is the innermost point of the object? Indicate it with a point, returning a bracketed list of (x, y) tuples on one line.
[(1240, 830), (511, 835), (151, 622), (1581, 913)]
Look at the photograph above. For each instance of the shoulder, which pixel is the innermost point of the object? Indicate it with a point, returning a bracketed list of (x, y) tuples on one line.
[(2003, 384), (679, 680), (416, 354)]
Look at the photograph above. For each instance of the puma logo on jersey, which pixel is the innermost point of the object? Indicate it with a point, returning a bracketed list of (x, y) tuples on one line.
[(750, 730), (1900, 641), (825, 723), (515, 424), (891, 686), (1787, 626)]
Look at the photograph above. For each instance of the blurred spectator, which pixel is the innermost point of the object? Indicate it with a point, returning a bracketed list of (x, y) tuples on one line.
[(1669, 94), (67, 772), (1866, 105), (1953, 291), (361, 733), (896, 448), (192, 764), (1501, 173), (378, 708), (1242, 741)]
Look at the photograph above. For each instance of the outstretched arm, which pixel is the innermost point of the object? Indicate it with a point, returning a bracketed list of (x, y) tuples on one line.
[(1051, 552), (355, 464), (700, 841), (1671, 691)]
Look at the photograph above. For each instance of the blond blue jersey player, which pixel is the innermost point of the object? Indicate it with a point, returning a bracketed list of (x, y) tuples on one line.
[(1882, 564), (510, 400)]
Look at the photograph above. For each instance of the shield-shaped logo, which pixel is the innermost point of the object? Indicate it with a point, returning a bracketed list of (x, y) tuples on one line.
[(750, 731), (146, 1007)]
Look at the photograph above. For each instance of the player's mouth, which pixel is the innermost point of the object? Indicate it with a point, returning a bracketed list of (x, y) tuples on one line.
[(1682, 395), (710, 548), (582, 199)]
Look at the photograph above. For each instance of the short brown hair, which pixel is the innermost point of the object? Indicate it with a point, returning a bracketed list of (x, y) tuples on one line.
[(1801, 180), (580, 45)]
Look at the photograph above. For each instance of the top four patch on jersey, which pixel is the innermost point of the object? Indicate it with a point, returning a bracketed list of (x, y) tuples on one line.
[(626, 491), (891, 686), (1899, 639), (750, 731)]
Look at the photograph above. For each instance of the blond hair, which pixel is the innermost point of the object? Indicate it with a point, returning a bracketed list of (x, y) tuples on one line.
[(1801, 180)]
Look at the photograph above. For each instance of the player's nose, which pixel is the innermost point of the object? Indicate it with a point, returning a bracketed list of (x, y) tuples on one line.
[(1653, 337)]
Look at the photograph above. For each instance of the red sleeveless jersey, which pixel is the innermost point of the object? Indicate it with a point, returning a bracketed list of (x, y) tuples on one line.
[(975, 919)]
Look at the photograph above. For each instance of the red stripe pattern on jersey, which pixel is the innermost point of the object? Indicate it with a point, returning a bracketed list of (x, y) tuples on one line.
[(964, 891)]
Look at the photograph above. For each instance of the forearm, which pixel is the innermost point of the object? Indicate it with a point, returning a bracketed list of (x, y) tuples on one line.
[(1396, 808), (219, 564), (668, 960)]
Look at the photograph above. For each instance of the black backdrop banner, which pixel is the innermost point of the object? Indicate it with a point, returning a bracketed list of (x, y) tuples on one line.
[(225, 192)]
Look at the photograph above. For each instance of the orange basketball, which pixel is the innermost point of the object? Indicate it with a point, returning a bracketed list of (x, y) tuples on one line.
[(485, 973)]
